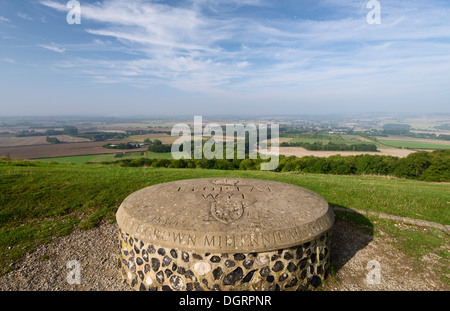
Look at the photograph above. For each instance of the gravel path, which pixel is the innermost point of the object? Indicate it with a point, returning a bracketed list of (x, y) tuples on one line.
[(45, 269), (406, 220)]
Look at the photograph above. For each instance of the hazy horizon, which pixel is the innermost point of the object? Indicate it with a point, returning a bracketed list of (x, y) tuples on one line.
[(236, 57), (323, 117)]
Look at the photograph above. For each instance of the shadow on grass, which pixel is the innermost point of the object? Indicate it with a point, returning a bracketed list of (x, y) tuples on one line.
[(351, 233)]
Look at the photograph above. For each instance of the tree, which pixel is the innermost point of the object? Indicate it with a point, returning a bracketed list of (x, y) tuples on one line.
[(246, 164), (70, 130), (413, 165), (53, 140), (159, 148), (178, 163), (222, 164)]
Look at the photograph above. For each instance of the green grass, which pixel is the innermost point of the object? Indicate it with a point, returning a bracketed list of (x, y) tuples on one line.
[(107, 157), (417, 242), (40, 200), (131, 155), (413, 144), (75, 160)]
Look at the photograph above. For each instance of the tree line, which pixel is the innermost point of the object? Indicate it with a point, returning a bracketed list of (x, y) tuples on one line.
[(424, 165), (69, 130), (319, 146)]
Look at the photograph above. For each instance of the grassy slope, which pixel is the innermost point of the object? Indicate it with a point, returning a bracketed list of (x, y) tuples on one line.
[(45, 200), (413, 144), (107, 157), (74, 159)]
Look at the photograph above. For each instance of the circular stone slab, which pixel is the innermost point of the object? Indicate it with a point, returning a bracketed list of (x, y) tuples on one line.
[(225, 215)]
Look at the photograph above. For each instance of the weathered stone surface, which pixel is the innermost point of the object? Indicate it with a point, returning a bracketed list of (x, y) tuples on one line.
[(233, 276), (224, 234), (224, 216), (202, 268), (275, 270)]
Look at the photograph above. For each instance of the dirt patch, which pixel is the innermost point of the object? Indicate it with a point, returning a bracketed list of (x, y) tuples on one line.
[(46, 268), (70, 139), (22, 141), (164, 138), (351, 251)]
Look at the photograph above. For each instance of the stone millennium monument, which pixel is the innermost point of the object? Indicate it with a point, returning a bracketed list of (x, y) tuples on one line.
[(224, 234)]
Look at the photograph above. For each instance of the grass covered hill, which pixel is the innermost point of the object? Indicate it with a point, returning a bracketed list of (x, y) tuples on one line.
[(41, 200)]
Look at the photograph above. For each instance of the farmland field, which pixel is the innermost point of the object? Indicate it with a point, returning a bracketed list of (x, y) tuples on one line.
[(416, 144), (302, 152), (164, 138), (80, 150), (59, 150), (333, 138), (108, 157), (12, 141)]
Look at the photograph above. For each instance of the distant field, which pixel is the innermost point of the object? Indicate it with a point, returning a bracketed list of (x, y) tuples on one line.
[(138, 125), (334, 138), (59, 150), (114, 126), (416, 144), (435, 132), (302, 152), (164, 138), (107, 157), (12, 141)]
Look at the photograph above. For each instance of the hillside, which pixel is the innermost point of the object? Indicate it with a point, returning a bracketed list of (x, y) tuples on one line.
[(40, 201)]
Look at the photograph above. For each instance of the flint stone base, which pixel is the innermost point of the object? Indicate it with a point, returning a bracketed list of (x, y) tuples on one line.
[(147, 267)]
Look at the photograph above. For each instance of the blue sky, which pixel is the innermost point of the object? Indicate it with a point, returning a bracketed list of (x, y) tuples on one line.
[(136, 57)]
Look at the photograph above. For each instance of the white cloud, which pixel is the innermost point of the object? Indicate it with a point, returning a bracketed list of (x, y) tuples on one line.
[(4, 19), (242, 64), (8, 60), (227, 5), (25, 16), (53, 47), (54, 5), (187, 49)]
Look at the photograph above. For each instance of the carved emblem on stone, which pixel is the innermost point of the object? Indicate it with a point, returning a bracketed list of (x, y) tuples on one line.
[(227, 211)]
